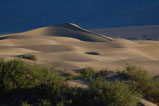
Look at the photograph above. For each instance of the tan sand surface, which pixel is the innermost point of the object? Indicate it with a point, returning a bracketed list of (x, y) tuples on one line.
[(70, 47)]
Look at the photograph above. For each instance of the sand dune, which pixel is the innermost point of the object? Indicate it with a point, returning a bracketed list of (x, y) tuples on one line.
[(68, 30), (70, 47)]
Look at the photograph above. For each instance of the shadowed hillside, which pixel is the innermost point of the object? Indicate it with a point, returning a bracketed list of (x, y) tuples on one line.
[(131, 33)]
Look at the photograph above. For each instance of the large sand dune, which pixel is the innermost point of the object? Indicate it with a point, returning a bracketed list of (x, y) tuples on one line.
[(70, 47), (68, 30)]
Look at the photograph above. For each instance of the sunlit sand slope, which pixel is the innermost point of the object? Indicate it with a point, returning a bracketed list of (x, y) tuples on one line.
[(70, 47)]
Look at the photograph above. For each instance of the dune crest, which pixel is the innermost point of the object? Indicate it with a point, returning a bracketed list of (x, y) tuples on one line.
[(69, 30)]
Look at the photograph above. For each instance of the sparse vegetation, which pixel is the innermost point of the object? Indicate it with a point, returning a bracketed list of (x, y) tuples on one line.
[(25, 104), (148, 86), (16, 74), (18, 79), (68, 75), (88, 72), (44, 103), (28, 56), (107, 93), (43, 86)]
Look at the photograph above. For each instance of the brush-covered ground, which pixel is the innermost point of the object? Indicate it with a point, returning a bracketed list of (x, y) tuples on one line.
[(25, 84)]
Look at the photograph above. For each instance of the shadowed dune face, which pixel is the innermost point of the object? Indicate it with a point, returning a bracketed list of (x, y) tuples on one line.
[(132, 33), (70, 47)]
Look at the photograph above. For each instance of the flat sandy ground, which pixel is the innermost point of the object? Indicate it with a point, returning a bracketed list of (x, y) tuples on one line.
[(70, 47)]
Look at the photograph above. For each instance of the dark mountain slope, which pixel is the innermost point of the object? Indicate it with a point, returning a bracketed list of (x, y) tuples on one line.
[(131, 33)]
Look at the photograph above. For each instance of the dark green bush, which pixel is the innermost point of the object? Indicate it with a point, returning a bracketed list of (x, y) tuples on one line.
[(19, 79), (44, 103), (41, 103), (148, 86), (42, 86), (88, 72), (140, 76), (106, 93), (25, 104), (16, 74)]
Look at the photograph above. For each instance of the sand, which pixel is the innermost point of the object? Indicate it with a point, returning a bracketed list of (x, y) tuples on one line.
[(70, 47)]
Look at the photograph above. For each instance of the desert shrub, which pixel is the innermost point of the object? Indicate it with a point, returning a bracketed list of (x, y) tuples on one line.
[(28, 56), (140, 76), (130, 67), (44, 103), (148, 86), (106, 93), (20, 79), (152, 93), (41, 86), (25, 104), (40, 103), (156, 78), (106, 74), (16, 74), (88, 72), (56, 93), (67, 75)]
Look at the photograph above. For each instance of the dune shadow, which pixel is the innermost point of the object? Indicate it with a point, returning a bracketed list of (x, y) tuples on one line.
[(92, 53), (3, 37)]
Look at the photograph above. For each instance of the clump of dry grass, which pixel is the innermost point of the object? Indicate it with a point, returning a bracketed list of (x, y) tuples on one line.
[(88, 72)]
